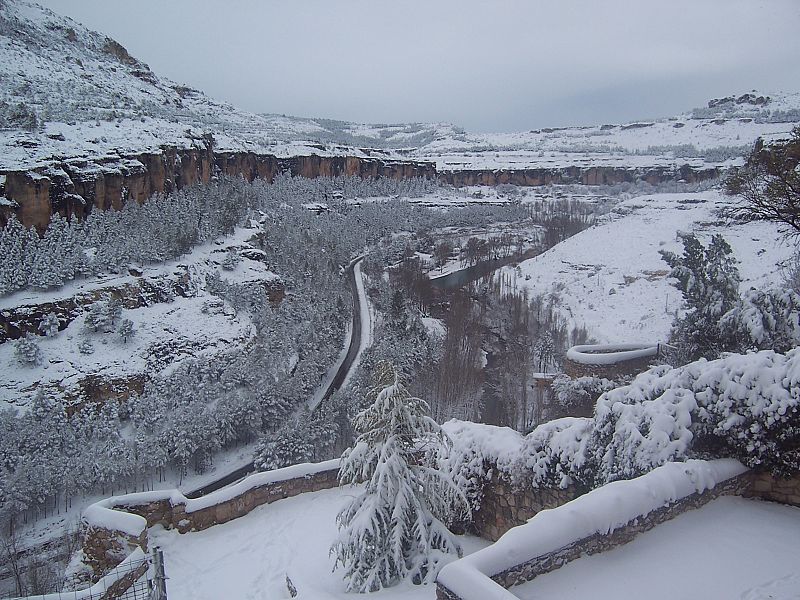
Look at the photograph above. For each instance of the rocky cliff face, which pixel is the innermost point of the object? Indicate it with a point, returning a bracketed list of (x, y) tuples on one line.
[(75, 187), (577, 175)]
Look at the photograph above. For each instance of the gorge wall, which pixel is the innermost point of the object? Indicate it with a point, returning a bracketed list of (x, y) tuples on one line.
[(578, 175), (73, 187)]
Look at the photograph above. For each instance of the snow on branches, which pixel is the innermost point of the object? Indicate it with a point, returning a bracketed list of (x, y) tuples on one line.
[(741, 406), (397, 527)]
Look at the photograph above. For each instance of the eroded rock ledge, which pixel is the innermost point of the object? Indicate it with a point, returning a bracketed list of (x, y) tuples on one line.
[(73, 187)]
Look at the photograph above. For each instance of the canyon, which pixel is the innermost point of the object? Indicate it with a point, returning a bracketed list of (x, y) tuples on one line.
[(73, 187)]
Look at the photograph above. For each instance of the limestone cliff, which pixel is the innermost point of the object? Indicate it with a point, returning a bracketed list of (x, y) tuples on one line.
[(578, 175), (74, 187)]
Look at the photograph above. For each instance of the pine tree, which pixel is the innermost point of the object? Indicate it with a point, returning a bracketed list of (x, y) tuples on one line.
[(396, 527), (764, 320), (709, 281), (27, 351), (126, 330), (114, 310), (231, 260), (98, 319), (86, 347), (49, 325)]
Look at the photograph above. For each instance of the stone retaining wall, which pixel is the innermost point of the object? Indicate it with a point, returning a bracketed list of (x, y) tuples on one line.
[(622, 535), (612, 372), (505, 505), (610, 361), (778, 489), (105, 547)]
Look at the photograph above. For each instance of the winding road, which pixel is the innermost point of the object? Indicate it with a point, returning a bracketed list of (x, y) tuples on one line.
[(360, 320)]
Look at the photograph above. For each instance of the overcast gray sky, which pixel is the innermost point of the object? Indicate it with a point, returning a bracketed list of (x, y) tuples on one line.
[(488, 65)]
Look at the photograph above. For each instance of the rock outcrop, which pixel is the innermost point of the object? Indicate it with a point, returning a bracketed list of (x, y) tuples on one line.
[(73, 187), (577, 175)]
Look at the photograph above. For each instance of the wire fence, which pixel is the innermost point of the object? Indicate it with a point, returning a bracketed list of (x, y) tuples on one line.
[(140, 579)]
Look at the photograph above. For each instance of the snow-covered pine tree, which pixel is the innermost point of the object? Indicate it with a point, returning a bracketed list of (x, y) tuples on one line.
[(396, 527), (709, 281), (126, 330), (98, 319), (27, 351), (302, 440), (114, 310), (85, 346), (764, 320), (231, 259), (49, 325)]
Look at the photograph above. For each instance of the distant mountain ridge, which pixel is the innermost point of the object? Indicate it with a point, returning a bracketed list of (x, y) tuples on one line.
[(68, 91)]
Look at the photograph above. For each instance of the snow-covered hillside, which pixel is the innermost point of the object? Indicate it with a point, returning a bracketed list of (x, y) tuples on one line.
[(611, 277), (717, 135), (194, 324), (68, 91)]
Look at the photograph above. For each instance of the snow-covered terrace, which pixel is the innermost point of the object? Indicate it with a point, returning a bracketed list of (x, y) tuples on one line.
[(250, 557), (730, 549)]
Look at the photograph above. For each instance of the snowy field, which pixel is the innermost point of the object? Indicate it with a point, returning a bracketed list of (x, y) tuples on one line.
[(249, 558), (612, 278), (731, 549)]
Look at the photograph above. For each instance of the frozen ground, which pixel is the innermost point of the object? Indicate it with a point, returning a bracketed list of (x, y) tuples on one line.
[(249, 558), (611, 277), (731, 549)]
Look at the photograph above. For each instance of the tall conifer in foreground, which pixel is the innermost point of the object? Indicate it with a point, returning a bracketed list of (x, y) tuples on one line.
[(396, 527)]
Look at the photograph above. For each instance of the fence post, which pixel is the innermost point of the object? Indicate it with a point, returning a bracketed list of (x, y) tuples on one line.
[(159, 576)]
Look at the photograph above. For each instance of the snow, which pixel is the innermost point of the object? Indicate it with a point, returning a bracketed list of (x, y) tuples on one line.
[(435, 327), (100, 106), (669, 143), (103, 513), (730, 548), (612, 279), (600, 511), (186, 327), (610, 354), (365, 314), (250, 557), (499, 445)]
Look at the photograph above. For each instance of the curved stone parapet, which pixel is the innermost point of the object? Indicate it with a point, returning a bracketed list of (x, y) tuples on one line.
[(114, 527), (602, 519), (610, 361)]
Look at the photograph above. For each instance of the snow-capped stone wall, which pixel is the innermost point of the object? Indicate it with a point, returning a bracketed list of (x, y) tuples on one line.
[(595, 522), (117, 526), (609, 361)]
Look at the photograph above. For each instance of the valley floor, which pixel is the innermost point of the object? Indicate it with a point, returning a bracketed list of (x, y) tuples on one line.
[(249, 558), (731, 549)]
